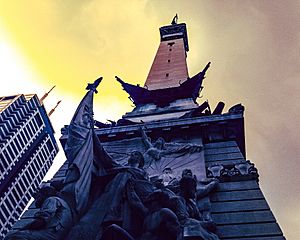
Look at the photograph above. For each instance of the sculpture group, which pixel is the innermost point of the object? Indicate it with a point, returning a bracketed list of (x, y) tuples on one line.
[(103, 199)]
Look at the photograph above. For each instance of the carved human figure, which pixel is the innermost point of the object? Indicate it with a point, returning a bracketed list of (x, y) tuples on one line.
[(159, 221), (204, 188), (159, 149), (51, 222), (185, 207), (154, 150), (110, 206), (167, 176)]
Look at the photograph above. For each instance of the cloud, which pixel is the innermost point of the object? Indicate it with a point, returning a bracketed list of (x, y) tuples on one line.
[(253, 45)]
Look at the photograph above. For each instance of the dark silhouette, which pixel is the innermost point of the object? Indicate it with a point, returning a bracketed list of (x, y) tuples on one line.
[(51, 222), (175, 19), (185, 208)]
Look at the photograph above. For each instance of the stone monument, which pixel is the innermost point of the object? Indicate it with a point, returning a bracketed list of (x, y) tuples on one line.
[(169, 169)]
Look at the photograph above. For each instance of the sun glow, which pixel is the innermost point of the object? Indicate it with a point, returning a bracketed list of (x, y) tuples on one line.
[(15, 73), (253, 47)]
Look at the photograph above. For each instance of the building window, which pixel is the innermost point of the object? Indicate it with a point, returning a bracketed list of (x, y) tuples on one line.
[(2, 168), (50, 145), (9, 205), (38, 119), (32, 126), (169, 60), (22, 184), (4, 208), (2, 218), (6, 162), (19, 191), (30, 170), (14, 192), (8, 97), (14, 147), (167, 74), (11, 199), (23, 138), (18, 144), (27, 196)]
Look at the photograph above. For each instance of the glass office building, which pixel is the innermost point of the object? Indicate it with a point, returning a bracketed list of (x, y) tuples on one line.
[(27, 150)]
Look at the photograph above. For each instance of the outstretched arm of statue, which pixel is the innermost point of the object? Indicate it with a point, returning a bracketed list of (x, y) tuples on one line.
[(204, 190), (44, 215), (36, 224), (181, 148), (134, 200), (190, 147), (145, 138)]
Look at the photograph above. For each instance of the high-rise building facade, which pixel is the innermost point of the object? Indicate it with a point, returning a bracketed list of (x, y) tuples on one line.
[(27, 150)]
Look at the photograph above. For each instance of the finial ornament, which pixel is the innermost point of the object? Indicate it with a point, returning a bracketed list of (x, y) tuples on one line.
[(53, 109), (119, 79), (46, 94), (175, 19), (93, 86)]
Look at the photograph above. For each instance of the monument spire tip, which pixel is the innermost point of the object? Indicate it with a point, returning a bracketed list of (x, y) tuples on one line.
[(175, 19), (93, 86)]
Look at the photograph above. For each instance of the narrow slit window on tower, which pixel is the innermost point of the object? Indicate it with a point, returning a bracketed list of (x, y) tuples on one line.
[(167, 74), (169, 60)]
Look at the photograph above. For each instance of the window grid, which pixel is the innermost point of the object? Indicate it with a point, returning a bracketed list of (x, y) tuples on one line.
[(14, 147), (37, 156), (13, 157), (28, 128)]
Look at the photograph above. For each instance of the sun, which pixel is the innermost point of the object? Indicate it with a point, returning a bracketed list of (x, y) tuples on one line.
[(16, 74)]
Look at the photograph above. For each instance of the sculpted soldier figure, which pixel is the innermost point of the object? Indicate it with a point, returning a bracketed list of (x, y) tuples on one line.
[(51, 222), (111, 207), (159, 222), (185, 207)]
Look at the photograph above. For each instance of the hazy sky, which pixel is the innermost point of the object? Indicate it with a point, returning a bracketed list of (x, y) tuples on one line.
[(254, 48)]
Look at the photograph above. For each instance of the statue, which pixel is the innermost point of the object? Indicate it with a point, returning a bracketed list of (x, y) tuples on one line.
[(175, 19), (204, 188), (168, 176), (161, 157), (51, 222), (103, 199), (159, 222), (93, 86), (185, 207), (110, 206), (86, 157), (154, 151)]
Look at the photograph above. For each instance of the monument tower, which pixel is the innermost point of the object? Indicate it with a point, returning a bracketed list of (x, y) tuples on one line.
[(180, 141), (169, 67)]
